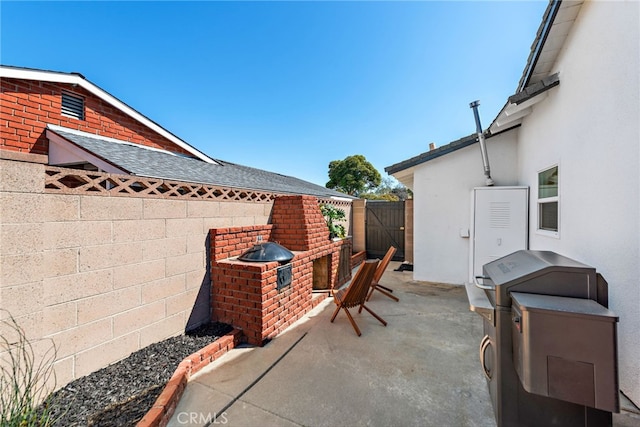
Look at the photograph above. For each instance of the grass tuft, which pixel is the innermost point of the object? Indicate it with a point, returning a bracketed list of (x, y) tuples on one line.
[(25, 379)]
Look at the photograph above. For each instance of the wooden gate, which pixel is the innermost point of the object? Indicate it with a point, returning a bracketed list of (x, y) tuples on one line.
[(384, 228)]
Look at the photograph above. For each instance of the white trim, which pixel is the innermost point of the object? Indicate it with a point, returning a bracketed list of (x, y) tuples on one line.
[(107, 139), (512, 114), (77, 79), (60, 148), (341, 199), (552, 199), (548, 233)]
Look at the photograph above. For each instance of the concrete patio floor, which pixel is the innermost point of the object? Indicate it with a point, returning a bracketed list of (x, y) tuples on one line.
[(420, 370)]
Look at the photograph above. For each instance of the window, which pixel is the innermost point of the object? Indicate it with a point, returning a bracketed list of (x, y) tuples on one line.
[(548, 199), (72, 106)]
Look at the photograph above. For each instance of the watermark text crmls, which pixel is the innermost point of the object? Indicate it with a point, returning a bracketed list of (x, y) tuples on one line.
[(209, 418)]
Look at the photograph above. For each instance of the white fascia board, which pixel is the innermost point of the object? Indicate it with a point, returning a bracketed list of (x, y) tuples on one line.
[(405, 177), (512, 114), (63, 152), (503, 122), (513, 109), (57, 77), (511, 119), (109, 139)]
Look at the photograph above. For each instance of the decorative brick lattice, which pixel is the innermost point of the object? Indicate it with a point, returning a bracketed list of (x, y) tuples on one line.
[(76, 181)]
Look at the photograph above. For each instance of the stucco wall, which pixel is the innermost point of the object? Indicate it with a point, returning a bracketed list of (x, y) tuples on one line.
[(442, 206), (105, 276), (589, 127)]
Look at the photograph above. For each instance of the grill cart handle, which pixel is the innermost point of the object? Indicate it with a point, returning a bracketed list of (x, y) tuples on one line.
[(484, 344), (482, 285)]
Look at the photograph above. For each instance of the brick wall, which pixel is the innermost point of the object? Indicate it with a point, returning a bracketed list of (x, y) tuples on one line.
[(300, 225), (233, 241), (27, 106), (105, 276), (245, 294)]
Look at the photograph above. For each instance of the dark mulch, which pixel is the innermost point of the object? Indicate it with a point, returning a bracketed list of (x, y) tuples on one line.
[(122, 393)]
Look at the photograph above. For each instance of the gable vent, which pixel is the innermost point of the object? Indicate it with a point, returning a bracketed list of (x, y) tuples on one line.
[(72, 106)]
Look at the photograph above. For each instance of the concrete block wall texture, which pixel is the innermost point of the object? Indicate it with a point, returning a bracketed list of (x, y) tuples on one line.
[(408, 231), (105, 276), (358, 224)]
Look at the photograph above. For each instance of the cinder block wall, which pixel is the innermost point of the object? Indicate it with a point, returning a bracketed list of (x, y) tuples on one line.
[(358, 224), (105, 276), (408, 230)]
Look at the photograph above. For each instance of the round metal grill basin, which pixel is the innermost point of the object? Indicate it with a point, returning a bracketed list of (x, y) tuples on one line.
[(266, 252)]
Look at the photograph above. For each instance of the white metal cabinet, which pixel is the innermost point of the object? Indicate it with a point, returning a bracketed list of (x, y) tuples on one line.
[(499, 224)]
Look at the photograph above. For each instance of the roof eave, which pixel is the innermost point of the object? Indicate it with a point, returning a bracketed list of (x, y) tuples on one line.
[(432, 154), (552, 33), (78, 79), (521, 104)]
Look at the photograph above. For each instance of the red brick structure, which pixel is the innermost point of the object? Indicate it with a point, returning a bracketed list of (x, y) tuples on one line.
[(300, 224), (245, 294), (27, 106)]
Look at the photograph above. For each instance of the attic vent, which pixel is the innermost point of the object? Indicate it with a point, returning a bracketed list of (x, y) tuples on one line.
[(72, 106)]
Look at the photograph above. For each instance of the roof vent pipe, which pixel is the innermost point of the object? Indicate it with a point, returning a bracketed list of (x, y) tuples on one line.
[(483, 148)]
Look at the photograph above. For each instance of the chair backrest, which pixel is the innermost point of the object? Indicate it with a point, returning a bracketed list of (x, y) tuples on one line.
[(356, 294), (384, 263)]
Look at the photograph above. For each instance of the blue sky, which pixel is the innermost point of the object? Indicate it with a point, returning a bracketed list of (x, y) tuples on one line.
[(288, 86)]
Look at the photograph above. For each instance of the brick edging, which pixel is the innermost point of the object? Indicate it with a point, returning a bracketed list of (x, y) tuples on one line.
[(165, 405), (358, 258)]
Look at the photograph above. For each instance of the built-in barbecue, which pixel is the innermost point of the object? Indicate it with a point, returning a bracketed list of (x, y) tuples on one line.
[(263, 277)]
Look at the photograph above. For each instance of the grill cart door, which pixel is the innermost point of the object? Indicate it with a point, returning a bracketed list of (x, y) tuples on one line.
[(565, 348)]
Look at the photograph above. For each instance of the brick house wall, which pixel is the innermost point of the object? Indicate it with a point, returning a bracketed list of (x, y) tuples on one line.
[(27, 106)]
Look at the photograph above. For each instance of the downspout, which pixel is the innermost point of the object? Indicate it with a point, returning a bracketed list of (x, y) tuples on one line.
[(483, 148)]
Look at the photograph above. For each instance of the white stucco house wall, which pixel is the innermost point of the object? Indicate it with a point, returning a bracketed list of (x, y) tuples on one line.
[(577, 109)]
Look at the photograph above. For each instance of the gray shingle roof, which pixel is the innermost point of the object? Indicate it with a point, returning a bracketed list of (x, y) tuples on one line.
[(143, 161), (535, 89), (432, 154)]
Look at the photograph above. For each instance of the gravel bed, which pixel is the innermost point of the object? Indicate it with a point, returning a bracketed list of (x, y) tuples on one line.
[(122, 393)]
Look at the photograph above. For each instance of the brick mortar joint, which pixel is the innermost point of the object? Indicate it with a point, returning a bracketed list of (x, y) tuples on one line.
[(172, 394)]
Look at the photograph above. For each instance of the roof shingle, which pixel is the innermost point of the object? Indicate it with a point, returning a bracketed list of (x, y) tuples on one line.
[(147, 162)]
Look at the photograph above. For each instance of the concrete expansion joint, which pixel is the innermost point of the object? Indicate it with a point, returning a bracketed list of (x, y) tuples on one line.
[(254, 382), (166, 403)]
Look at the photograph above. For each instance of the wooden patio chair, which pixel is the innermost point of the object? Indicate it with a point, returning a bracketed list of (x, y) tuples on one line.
[(375, 283), (356, 293)]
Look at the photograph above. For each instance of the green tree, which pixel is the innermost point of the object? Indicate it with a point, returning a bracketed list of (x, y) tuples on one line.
[(389, 189), (353, 175)]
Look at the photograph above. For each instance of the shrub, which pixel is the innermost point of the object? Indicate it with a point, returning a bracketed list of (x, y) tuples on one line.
[(331, 215)]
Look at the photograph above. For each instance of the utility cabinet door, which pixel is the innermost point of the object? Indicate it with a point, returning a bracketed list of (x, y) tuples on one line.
[(500, 223)]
